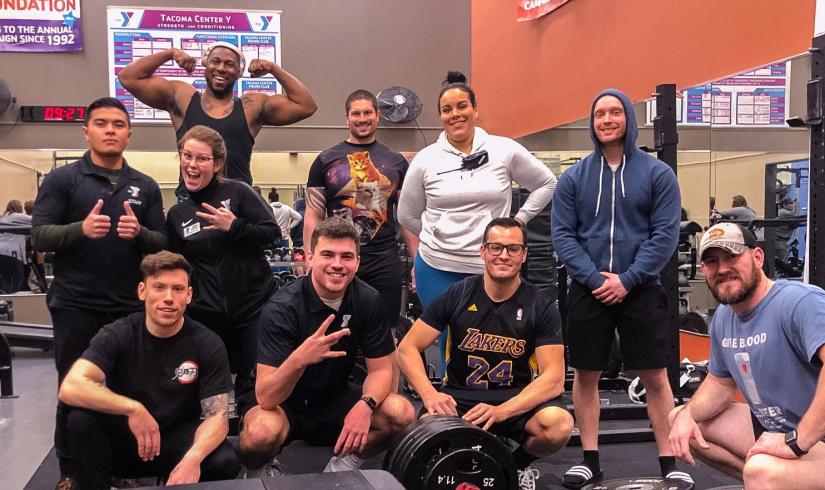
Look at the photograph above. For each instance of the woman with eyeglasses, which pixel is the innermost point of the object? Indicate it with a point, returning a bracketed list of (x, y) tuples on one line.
[(222, 228), (455, 186)]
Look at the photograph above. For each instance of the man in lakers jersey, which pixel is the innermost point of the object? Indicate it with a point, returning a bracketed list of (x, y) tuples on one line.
[(505, 364)]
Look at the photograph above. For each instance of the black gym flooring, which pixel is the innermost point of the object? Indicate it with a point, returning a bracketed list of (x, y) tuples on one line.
[(618, 461), (27, 424)]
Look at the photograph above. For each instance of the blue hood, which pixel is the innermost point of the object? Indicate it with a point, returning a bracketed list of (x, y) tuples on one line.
[(632, 131), (624, 221)]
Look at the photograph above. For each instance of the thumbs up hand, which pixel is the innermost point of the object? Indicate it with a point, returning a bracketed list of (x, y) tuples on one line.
[(96, 225), (128, 226)]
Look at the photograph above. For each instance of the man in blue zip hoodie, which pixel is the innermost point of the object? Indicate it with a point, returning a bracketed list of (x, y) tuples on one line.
[(615, 225)]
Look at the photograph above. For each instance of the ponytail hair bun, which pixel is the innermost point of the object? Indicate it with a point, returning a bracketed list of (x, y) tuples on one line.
[(456, 80), (455, 77)]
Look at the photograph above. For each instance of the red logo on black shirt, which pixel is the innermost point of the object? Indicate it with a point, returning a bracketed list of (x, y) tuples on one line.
[(186, 373)]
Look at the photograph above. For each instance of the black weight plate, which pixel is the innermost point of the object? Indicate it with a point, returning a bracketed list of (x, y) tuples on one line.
[(415, 457), (412, 435), (432, 442), (465, 466), (640, 483), (439, 435), (398, 447)]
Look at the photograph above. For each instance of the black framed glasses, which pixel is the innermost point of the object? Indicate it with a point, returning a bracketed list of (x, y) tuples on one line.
[(513, 249), (470, 162)]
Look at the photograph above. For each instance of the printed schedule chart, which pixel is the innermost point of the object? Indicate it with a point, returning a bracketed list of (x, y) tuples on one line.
[(137, 32), (757, 98)]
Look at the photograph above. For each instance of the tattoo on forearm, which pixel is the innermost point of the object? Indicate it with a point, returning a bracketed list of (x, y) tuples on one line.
[(215, 405), (316, 198)]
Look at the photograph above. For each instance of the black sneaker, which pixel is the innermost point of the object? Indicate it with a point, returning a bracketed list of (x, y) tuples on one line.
[(272, 468)]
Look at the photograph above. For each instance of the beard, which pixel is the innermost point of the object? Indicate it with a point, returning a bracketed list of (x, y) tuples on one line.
[(226, 92), (357, 132), (736, 296)]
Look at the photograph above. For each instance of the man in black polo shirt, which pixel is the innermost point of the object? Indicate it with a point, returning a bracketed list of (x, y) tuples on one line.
[(359, 179), (162, 373), (505, 368), (309, 334), (99, 216)]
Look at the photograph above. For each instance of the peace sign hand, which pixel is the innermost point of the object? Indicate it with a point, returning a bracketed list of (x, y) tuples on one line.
[(317, 346), (219, 218)]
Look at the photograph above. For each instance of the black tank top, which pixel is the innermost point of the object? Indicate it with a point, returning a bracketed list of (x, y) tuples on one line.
[(235, 132)]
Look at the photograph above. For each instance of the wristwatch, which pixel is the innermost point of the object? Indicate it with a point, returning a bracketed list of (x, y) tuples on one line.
[(370, 401), (790, 440)]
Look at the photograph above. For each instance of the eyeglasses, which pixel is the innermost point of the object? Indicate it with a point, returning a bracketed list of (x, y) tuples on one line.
[(187, 157), (470, 162), (513, 249)]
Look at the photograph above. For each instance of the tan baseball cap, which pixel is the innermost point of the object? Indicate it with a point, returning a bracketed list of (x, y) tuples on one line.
[(728, 236)]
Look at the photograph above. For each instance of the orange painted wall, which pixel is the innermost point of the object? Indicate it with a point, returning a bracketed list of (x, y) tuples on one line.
[(531, 76)]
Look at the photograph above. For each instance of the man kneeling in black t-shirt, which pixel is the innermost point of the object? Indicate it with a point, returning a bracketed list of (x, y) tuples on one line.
[(162, 373), (310, 332), (505, 369)]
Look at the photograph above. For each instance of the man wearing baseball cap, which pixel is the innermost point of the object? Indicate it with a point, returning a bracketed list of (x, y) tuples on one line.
[(237, 119), (767, 341)]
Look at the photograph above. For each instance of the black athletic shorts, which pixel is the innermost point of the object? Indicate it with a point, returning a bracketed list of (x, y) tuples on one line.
[(641, 320), (758, 430), (513, 428), (320, 423), (383, 272)]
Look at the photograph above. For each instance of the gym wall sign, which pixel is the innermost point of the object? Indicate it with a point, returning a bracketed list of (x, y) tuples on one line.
[(40, 26), (135, 32), (533, 9)]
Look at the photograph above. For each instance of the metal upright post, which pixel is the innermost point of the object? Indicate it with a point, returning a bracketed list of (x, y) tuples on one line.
[(814, 121), (665, 141), (816, 240)]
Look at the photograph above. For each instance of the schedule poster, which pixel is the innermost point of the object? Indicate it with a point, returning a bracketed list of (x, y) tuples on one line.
[(137, 32), (40, 26), (757, 98)]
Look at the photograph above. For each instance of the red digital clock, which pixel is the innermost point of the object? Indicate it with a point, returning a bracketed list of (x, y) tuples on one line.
[(52, 113)]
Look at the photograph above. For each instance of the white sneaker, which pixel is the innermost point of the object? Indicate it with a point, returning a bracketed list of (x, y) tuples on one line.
[(350, 462), (527, 478), (272, 468)]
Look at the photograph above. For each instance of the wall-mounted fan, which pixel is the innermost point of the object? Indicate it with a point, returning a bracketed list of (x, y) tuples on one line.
[(398, 104), (6, 99)]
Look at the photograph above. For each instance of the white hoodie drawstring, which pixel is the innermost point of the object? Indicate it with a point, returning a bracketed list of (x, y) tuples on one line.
[(599, 199), (624, 164), (601, 171)]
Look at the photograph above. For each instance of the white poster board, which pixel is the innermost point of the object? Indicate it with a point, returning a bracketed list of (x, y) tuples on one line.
[(136, 32), (757, 98)]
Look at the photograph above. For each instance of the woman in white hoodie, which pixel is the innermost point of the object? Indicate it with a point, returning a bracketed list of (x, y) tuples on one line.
[(455, 186)]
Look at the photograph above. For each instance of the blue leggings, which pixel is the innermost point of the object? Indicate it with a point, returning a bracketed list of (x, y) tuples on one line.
[(429, 284)]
